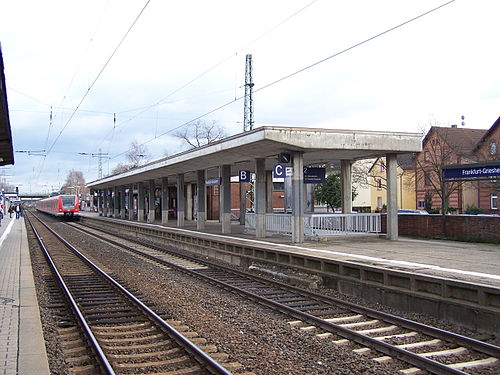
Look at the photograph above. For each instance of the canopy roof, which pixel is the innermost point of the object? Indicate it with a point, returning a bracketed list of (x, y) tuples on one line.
[(318, 146), (6, 152)]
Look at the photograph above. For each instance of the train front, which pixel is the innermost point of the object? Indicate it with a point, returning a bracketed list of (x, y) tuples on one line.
[(69, 205)]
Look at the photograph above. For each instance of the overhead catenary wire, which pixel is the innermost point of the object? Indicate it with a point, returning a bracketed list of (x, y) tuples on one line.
[(354, 46), (53, 117), (94, 81), (98, 75), (222, 61), (336, 54), (91, 39)]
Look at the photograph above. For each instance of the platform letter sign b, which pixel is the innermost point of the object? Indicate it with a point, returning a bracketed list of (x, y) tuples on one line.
[(244, 176)]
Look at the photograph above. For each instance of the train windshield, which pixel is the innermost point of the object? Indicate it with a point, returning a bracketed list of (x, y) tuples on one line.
[(68, 201)]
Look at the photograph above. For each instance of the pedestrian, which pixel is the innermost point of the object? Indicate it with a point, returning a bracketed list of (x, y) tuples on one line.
[(18, 209), (11, 210), (21, 210), (1, 214)]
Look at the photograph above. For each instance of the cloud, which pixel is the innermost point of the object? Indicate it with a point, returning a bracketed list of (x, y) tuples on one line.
[(186, 59)]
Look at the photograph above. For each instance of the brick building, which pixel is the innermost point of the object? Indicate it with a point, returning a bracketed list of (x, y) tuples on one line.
[(488, 149), (454, 145)]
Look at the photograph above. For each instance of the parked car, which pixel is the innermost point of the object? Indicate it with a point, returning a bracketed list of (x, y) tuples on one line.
[(412, 212)]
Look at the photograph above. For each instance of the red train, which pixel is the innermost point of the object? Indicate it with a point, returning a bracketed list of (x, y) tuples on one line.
[(66, 205)]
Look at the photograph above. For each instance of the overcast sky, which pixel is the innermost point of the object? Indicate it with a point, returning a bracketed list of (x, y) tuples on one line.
[(184, 59)]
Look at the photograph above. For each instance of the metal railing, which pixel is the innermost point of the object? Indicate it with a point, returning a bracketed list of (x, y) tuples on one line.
[(320, 225)]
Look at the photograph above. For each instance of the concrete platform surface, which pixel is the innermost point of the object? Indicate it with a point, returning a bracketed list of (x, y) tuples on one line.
[(22, 347), (471, 262), (464, 261)]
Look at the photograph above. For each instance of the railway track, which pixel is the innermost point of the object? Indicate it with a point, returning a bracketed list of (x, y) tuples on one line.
[(110, 331), (383, 337)]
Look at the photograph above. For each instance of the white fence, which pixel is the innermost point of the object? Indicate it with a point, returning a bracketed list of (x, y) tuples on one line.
[(321, 225)]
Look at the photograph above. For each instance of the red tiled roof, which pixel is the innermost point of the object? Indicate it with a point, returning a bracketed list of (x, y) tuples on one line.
[(461, 141), (488, 132)]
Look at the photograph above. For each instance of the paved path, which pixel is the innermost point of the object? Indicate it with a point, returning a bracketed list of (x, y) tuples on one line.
[(22, 348)]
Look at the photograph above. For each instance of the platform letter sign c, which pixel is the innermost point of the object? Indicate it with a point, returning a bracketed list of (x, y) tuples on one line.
[(278, 171), (244, 176)]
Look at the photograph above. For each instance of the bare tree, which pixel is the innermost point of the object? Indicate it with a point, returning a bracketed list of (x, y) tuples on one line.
[(137, 153), (379, 180), (360, 172), (200, 133), (74, 184), (120, 168), (429, 172)]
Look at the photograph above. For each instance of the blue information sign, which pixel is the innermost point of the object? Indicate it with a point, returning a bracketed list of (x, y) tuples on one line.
[(212, 181), (471, 172), (314, 175)]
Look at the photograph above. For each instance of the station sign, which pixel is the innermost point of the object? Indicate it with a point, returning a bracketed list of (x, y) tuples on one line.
[(464, 172), (245, 176), (314, 175), (282, 171), (212, 181)]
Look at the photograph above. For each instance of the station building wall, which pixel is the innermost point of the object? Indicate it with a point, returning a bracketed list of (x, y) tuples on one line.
[(474, 228)]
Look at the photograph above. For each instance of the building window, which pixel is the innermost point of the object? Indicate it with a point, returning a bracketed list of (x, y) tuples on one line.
[(379, 184), (494, 201), (382, 167), (278, 186), (379, 202), (421, 204), (427, 177), (427, 156), (493, 148)]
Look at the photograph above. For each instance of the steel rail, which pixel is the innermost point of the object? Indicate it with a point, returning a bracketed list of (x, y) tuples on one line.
[(395, 352), (101, 357), (477, 345), (196, 353)]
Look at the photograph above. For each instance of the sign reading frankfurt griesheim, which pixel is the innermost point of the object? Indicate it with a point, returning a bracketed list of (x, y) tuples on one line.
[(471, 171)]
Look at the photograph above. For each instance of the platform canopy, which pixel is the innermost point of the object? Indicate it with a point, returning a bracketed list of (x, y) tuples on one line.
[(6, 152), (318, 146)]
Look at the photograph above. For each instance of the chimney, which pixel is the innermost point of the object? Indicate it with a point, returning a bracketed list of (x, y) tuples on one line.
[(454, 126)]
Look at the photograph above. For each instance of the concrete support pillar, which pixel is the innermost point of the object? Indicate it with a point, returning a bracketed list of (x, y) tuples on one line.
[(151, 201), (164, 200), (140, 201), (392, 197), (189, 202), (122, 202), (225, 198), (260, 198), (346, 182), (202, 195), (298, 197), (105, 202), (110, 202), (243, 202), (309, 198), (181, 201), (269, 191), (131, 210), (116, 202), (100, 202)]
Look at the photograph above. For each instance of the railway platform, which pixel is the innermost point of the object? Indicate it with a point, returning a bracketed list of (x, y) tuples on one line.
[(450, 280), (464, 261), (22, 347)]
